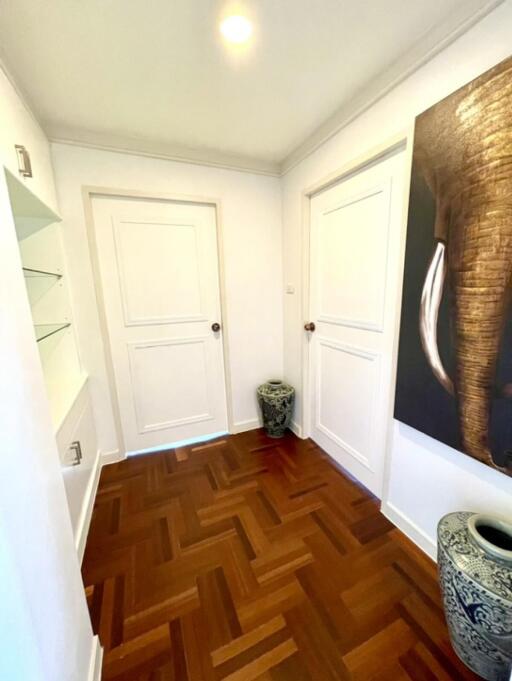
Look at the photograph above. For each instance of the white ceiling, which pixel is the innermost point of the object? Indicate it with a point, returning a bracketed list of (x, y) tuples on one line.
[(156, 76)]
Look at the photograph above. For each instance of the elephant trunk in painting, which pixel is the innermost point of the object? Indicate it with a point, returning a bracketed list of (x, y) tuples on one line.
[(468, 168), (480, 282)]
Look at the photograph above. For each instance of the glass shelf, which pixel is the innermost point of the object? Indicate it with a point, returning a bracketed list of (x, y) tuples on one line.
[(39, 282), (30, 273), (46, 330)]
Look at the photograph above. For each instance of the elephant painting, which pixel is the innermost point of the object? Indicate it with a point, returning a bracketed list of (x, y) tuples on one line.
[(454, 378)]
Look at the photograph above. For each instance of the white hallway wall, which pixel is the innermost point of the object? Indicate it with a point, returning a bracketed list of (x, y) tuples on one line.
[(45, 630), (251, 225), (426, 478)]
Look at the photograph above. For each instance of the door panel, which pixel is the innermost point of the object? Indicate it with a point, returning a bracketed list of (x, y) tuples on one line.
[(345, 409), (172, 250), (354, 251), (158, 263), (166, 396), (352, 280)]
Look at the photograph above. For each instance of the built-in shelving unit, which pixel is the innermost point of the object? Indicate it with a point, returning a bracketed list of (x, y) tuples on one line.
[(44, 270), (38, 283), (44, 331)]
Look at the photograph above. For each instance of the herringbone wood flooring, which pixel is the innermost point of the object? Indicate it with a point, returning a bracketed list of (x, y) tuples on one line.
[(250, 558)]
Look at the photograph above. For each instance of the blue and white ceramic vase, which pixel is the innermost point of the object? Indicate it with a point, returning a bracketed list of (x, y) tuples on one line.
[(276, 400), (475, 569)]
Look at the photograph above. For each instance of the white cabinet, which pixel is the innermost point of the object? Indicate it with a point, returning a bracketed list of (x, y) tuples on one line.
[(80, 461), (18, 126), (33, 206)]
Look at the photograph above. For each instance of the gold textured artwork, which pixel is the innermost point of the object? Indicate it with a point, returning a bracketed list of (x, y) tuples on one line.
[(454, 378)]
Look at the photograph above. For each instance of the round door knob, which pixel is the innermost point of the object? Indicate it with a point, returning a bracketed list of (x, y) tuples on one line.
[(310, 326), (215, 327)]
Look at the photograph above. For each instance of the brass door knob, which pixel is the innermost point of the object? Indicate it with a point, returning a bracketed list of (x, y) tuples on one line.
[(310, 326), (215, 327)]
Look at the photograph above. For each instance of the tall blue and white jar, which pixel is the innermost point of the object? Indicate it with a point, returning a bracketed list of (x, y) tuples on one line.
[(475, 570)]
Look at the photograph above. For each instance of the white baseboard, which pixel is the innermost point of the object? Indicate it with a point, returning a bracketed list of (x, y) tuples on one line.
[(243, 426), (252, 424), (410, 529), (87, 506), (112, 457), (96, 661), (102, 459), (296, 429)]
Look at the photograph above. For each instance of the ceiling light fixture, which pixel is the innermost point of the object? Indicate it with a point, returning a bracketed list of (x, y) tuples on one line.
[(236, 29)]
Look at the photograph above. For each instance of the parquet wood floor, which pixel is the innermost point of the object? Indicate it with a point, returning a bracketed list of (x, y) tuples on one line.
[(250, 558)]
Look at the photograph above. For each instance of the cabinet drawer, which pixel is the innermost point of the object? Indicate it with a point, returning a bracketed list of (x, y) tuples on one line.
[(18, 126), (77, 434)]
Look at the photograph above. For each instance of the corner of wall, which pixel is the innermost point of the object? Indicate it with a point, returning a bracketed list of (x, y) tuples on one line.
[(410, 529)]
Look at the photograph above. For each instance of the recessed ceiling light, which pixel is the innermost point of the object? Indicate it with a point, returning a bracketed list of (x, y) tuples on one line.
[(236, 29)]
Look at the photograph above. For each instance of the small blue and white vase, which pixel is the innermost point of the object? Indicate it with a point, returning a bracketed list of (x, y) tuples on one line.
[(276, 400), (475, 570)]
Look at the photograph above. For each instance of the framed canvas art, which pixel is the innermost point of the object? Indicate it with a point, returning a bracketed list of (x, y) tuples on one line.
[(454, 376)]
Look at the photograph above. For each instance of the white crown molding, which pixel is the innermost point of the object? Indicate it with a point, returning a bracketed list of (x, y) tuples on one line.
[(431, 43), (130, 145), (154, 149)]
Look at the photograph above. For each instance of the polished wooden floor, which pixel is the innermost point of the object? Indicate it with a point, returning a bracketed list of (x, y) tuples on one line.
[(250, 558)]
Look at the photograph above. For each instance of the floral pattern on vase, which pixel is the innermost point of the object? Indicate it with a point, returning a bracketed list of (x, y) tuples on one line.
[(477, 595), (276, 400)]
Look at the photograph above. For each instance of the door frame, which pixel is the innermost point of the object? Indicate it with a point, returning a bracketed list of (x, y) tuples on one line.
[(88, 194), (403, 140)]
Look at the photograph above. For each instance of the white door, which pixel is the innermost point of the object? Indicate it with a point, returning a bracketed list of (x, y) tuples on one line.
[(158, 265), (354, 280)]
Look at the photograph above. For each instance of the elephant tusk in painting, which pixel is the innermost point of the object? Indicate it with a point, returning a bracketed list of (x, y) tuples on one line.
[(461, 204), (431, 297)]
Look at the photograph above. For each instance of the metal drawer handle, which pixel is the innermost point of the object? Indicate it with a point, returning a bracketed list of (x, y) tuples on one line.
[(78, 452), (24, 165)]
